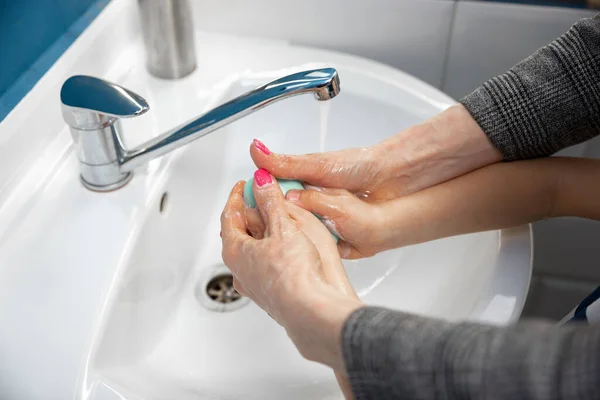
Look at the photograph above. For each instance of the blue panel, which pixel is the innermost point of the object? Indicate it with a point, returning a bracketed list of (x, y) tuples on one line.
[(554, 3), (33, 35)]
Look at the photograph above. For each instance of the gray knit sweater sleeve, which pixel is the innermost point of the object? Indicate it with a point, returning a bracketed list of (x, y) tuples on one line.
[(549, 101), (393, 355)]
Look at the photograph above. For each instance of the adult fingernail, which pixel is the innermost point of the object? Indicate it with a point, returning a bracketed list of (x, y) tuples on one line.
[(261, 146), (221, 234), (262, 177), (292, 196)]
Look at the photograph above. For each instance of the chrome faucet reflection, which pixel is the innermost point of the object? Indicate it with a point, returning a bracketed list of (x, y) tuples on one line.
[(93, 108)]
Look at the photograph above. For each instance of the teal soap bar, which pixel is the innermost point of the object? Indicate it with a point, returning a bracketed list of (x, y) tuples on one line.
[(285, 185)]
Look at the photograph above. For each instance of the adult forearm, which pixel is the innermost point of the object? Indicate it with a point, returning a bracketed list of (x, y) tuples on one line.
[(441, 148)]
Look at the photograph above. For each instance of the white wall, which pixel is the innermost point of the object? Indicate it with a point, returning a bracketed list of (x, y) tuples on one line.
[(489, 38), (455, 46), (411, 35)]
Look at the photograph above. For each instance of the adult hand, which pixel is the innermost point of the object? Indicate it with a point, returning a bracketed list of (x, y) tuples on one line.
[(444, 147), (359, 225), (293, 271)]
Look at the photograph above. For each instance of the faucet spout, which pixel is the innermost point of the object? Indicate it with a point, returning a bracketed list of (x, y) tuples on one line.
[(93, 108), (323, 83)]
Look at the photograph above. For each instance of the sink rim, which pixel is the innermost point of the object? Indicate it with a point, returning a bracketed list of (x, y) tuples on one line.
[(514, 243)]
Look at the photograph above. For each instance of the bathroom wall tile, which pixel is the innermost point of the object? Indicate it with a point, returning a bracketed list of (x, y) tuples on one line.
[(409, 34), (574, 151), (592, 149), (553, 298), (489, 38), (567, 247)]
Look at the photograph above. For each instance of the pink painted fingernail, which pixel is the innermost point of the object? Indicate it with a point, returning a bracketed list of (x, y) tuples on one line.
[(261, 146), (262, 177), (292, 196)]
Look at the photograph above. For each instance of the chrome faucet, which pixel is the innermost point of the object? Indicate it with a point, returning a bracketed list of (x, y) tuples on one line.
[(93, 108)]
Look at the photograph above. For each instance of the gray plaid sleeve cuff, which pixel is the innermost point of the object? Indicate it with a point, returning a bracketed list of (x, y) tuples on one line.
[(547, 102)]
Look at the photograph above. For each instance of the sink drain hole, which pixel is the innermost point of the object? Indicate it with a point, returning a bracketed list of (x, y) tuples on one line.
[(220, 289), (215, 292), (164, 202)]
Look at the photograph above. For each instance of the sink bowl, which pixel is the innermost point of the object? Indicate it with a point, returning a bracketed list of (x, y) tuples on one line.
[(164, 339), (124, 295)]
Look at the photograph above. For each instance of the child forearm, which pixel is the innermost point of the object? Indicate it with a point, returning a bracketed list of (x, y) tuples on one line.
[(498, 196), (577, 188)]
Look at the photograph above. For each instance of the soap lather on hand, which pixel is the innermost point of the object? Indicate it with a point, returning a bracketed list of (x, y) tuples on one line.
[(285, 185)]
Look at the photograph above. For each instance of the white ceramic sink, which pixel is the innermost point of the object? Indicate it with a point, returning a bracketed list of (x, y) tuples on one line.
[(102, 296)]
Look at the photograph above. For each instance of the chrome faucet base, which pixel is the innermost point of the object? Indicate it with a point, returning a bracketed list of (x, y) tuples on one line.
[(108, 187), (93, 107)]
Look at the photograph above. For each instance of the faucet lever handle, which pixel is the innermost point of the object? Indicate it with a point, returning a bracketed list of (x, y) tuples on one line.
[(88, 102)]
